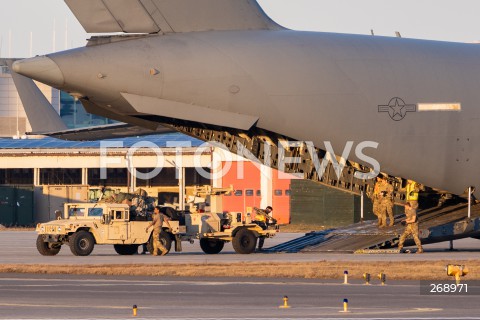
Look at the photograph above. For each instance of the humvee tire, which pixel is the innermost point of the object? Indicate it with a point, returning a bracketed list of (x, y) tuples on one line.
[(125, 249), (164, 238), (211, 246), (244, 241), (45, 249), (81, 243)]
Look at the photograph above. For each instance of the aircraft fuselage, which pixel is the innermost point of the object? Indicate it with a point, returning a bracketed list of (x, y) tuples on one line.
[(308, 86)]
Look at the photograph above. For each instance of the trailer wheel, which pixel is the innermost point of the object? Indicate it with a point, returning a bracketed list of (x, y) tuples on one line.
[(164, 238), (244, 242), (81, 243), (125, 249), (45, 248), (211, 246)]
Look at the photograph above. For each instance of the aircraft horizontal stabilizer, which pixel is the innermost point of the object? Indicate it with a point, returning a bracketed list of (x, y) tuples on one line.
[(168, 16), (189, 112), (39, 111)]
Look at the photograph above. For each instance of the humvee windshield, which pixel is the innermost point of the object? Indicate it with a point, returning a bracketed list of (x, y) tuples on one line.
[(83, 212), (76, 212), (95, 212)]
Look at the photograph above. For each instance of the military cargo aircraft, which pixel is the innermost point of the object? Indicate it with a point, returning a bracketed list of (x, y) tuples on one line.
[(223, 70)]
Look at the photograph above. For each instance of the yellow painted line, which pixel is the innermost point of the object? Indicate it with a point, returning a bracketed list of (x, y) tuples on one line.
[(64, 306)]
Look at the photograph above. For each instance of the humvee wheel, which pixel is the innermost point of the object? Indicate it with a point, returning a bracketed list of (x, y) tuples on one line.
[(125, 249), (45, 248), (211, 246), (165, 240), (244, 242), (81, 243)]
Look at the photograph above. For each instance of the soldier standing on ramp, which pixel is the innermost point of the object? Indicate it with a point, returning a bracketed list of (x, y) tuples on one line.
[(375, 196), (157, 223), (411, 193), (411, 228), (386, 203)]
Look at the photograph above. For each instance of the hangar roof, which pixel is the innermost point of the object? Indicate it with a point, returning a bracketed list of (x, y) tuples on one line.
[(162, 141)]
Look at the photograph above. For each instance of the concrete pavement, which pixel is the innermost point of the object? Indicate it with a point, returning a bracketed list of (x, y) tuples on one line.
[(19, 247), (87, 297)]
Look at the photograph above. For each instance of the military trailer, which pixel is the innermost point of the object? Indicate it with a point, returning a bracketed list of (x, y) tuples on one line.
[(85, 225), (214, 230)]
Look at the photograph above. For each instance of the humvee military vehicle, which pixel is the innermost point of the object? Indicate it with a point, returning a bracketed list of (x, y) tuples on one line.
[(85, 225)]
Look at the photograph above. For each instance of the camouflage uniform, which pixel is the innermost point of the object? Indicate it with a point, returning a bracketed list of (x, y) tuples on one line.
[(411, 229), (386, 204), (376, 200), (157, 223)]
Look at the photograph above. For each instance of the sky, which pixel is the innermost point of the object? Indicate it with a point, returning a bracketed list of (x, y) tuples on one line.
[(34, 27)]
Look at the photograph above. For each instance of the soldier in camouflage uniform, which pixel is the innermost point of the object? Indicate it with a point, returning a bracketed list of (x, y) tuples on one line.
[(264, 218), (375, 196), (157, 223), (411, 193), (386, 203), (411, 228)]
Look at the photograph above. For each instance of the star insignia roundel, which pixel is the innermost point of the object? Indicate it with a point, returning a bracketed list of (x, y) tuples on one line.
[(397, 109)]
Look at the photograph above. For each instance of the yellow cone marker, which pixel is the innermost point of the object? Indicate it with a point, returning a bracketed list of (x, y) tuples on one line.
[(366, 276), (456, 271), (345, 306), (345, 277), (285, 303), (383, 278)]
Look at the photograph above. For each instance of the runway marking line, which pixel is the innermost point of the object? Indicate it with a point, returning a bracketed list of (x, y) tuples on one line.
[(64, 306), (276, 318), (364, 312), (200, 283)]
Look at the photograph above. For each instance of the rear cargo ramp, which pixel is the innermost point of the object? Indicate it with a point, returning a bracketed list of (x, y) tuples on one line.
[(436, 225)]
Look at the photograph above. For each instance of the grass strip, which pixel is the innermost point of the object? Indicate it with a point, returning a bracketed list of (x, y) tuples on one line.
[(405, 270)]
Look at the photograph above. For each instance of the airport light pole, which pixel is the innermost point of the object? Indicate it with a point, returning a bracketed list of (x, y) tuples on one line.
[(469, 202), (361, 206), (18, 111), (180, 169), (75, 112)]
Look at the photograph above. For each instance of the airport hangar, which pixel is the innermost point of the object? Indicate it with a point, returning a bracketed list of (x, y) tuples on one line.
[(39, 174)]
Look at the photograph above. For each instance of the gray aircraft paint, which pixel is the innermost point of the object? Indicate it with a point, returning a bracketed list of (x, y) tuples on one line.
[(308, 86), (35, 104)]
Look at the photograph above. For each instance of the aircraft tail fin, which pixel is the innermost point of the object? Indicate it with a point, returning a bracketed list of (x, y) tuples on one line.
[(169, 16), (39, 111)]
